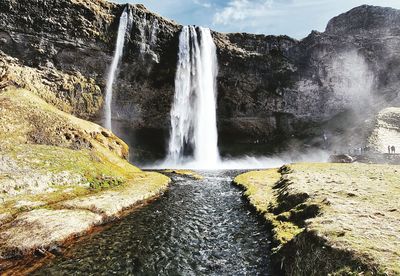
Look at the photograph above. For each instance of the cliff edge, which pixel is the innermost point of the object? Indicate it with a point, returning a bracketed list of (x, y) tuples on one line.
[(271, 88)]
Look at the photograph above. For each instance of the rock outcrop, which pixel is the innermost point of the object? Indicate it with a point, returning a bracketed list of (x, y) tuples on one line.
[(78, 37), (271, 88)]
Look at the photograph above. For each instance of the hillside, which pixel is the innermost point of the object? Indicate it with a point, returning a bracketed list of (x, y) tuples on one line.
[(59, 177)]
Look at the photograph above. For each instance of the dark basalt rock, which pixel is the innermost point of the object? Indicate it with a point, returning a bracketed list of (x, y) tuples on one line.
[(270, 87), (343, 158)]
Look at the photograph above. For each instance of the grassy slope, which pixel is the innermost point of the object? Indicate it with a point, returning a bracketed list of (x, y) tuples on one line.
[(339, 218), (49, 158)]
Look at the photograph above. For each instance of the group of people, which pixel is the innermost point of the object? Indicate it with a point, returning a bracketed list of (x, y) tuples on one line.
[(359, 151), (365, 150), (391, 149)]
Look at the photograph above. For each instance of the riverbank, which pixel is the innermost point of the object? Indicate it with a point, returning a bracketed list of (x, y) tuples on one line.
[(60, 176), (330, 218)]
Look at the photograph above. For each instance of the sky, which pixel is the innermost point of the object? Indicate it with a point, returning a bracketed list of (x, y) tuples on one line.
[(295, 18)]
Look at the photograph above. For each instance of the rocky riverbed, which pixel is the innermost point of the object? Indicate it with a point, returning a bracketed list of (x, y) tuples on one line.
[(336, 219)]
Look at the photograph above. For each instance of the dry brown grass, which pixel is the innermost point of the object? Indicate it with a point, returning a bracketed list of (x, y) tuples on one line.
[(349, 208)]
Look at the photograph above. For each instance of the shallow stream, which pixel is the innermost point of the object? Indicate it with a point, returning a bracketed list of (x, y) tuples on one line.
[(199, 227)]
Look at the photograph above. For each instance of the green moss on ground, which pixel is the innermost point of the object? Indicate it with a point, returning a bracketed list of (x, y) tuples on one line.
[(45, 151), (259, 189), (338, 218), (54, 163)]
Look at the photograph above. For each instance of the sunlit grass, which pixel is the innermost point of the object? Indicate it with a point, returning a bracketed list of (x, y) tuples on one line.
[(352, 207)]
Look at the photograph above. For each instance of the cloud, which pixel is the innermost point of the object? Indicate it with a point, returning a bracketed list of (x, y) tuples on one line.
[(296, 18), (241, 10), (203, 4)]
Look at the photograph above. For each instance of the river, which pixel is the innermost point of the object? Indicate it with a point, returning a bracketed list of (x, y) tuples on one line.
[(199, 227)]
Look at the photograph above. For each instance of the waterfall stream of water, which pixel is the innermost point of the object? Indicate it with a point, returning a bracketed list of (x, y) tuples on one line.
[(119, 48), (193, 115)]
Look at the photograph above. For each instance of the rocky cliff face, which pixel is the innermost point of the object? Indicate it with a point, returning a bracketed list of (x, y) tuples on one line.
[(77, 37), (277, 83), (270, 88)]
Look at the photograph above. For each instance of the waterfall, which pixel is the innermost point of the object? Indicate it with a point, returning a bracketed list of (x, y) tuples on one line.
[(123, 25), (206, 135), (148, 29), (193, 114)]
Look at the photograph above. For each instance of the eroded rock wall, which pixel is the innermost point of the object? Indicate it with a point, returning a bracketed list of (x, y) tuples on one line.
[(78, 37), (270, 87), (277, 85)]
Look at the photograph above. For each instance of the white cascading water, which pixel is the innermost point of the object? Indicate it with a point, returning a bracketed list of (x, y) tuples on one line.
[(119, 48), (193, 115), (181, 121), (205, 132)]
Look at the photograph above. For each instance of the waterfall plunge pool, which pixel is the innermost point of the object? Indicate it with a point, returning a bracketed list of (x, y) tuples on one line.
[(149, 147), (199, 227)]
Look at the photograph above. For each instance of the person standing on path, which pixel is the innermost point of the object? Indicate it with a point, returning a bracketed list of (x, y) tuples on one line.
[(389, 149)]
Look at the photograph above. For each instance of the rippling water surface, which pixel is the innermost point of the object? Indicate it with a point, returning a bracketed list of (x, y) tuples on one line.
[(197, 228)]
